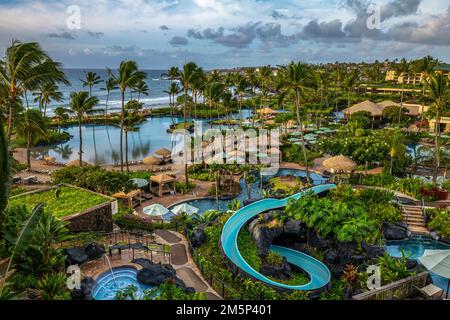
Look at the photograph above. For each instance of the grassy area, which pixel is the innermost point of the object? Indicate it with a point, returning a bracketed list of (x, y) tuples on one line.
[(61, 202)]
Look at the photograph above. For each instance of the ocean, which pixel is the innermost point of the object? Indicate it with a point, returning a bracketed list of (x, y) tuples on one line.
[(156, 98)]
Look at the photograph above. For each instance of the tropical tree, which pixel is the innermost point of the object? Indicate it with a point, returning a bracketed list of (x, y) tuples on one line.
[(91, 79), (397, 148), (403, 69), (4, 173), (298, 77), (25, 67), (142, 89), (128, 77), (81, 104), (425, 66), (350, 82), (241, 87), (47, 93), (263, 75), (172, 91), (187, 76), (132, 120), (32, 127), (110, 85), (439, 93), (61, 115)]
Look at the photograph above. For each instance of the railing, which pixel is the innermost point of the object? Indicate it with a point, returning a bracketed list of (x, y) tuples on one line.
[(397, 290)]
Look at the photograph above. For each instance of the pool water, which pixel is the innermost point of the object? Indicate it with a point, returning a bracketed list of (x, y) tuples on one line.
[(414, 248), (108, 284)]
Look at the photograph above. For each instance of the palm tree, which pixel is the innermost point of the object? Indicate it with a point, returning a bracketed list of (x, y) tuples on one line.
[(350, 82), (4, 173), (110, 85), (337, 74), (132, 120), (403, 69), (425, 66), (298, 75), (61, 114), (263, 75), (32, 127), (397, 148), (197, 86), (81, 104), (172, 74), (213, 93), (173, 91), (439, 93), (141, 88), (47, 93), (91, 80), (25, 67), (241, 86), (128, 77)]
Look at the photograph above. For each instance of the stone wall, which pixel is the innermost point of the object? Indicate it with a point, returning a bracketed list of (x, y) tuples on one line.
[(94, 219)]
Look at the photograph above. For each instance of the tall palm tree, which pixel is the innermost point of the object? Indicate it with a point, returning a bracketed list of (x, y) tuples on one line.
[(172, 74), (141, 88), (4, 172), (403, 68), (81, 104), (213, 94), (173, 91), (131, 122), (337, 74), (397, 148), (110, 85), (439, 93), (47, 93), (425, 66), (298, 79), (32, 127), (25, 67), (241, 86), (197, 86), (128, 77), (263, 75), (350, 82), (91, 80)]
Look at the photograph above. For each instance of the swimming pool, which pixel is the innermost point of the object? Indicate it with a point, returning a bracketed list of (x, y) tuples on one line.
[(205, 205), (108, 284), (414, 248)]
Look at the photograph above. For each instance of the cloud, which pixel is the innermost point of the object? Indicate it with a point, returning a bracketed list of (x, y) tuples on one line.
[(179, 41), (96, 35), (164, 27), (324, 30), (62, 35)]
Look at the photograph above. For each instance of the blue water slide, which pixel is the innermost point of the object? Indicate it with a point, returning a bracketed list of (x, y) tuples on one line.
[(319, 274)]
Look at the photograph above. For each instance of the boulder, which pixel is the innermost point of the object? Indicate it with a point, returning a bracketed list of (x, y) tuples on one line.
[(445, 240), (157, 274), (264, 236), (331, 257), (434, 236), (198, 238), (94, 251), (85, 291), (76, 256), (292, 226), (315, 241), (396, 231), (411, 264), (373, 252)]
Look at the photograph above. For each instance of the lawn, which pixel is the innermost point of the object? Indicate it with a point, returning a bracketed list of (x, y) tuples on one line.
[(61, 202)]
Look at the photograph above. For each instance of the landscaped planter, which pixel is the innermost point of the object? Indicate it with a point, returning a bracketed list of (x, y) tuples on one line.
[(83, 209)]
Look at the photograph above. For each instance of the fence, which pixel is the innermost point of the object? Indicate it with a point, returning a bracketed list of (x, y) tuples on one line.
[(397, 290)]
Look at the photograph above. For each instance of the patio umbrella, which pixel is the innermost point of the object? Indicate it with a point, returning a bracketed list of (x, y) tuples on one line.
[(156, 210), (437, 262), (185, 208), (296, 134), (140, 183)]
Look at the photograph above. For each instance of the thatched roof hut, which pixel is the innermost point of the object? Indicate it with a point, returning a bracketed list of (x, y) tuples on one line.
[(152, 161), (374, 109), (340, 164), (165, 153)]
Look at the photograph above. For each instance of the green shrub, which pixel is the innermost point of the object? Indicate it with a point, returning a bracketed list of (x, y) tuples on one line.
[(440, 221), (446, 185), (393, 269)]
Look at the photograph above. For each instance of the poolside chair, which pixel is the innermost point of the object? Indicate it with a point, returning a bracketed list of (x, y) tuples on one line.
[(431, 292)]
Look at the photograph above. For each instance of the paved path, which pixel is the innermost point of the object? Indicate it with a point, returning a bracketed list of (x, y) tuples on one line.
[(168, 236), (179, 255)]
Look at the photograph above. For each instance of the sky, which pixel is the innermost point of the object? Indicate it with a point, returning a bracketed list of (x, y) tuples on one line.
[(227, 33)]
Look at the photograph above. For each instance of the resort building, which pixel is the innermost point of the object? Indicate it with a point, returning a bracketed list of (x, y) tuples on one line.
[(415, 78), (445, 124), (376, 109)]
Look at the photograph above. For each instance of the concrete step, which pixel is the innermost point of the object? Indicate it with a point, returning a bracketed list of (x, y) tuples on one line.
[(412, 210), (416, 224), (419, 230), (410, 220)]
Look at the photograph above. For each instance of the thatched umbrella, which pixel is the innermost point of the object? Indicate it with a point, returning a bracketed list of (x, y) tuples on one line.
[(266, 111), (165, 153), (151, 161), (76, 163), (340, 164)]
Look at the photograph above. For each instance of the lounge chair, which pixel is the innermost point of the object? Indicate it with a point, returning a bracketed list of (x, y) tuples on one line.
[(431, 292)]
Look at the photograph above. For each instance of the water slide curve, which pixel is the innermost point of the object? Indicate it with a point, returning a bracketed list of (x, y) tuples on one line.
[(318, 273)]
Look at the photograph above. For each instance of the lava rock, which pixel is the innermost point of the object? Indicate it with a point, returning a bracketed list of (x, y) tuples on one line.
[(157, 274), (85, 291), (434, 236), (198, 238), (315, 241), (76, 256), (444, 240), (411, 264), (283, 271), (398, 231), (264, 236), (373, 252), (94, 251), (331, 257), (292, 226)]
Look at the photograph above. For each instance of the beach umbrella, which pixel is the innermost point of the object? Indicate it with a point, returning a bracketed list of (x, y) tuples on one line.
[(296, 134), (340, 164), (152, 161), (140, 183), (185, 208), (437, 262), (156, 210), (165, 153)]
